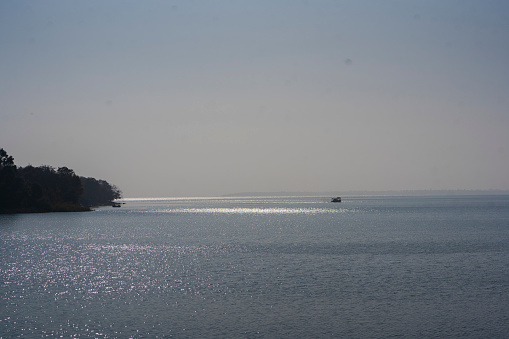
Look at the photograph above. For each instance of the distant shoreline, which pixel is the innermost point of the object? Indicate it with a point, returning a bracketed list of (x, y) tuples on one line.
[(371, 193), (331, 194)]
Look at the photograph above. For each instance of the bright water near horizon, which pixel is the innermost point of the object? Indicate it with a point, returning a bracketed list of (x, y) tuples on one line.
[(372, 267)]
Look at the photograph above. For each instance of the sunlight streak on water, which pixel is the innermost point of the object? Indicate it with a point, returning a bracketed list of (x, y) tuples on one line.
[(239, 210)]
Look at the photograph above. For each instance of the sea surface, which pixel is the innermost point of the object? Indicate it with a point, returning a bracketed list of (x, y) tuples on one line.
[(286, 267)]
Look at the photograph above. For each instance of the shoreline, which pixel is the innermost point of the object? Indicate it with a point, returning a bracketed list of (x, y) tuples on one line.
[(56, 210)]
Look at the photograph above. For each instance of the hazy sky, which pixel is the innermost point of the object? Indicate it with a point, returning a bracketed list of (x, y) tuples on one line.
[(204, 98)]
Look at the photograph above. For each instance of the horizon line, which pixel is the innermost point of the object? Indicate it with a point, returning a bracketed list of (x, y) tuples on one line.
[(332, 193)]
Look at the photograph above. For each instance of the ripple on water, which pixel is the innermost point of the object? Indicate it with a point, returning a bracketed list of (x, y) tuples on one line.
[(226, 270)]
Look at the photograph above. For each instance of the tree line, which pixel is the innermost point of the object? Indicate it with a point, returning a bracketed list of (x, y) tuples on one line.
[(49, 189)]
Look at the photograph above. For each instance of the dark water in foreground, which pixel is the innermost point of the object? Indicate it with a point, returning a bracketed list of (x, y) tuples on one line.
[(259, 268)]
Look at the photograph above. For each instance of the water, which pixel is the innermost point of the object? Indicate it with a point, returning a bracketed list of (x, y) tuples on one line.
[(260, 267)]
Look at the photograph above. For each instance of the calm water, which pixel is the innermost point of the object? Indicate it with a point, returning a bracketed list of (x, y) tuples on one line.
[(260, 267)]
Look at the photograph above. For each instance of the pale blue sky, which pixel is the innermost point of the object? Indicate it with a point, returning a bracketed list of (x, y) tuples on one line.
[(201, 98)]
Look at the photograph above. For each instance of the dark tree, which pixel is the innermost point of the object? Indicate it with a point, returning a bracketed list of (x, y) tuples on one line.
[(13, 192), (5, 159), (60, 189), (98, 192), (69, 185), (46, 189)]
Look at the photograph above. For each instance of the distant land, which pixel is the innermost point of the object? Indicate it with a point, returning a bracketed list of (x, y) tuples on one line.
[(370, 193)]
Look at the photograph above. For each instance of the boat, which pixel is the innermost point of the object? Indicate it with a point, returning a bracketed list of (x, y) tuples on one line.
[(336, 199)]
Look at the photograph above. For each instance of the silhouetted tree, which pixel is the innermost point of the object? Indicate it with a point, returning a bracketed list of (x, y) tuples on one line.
[(98, 192), (46, 189), (13, 192), (5, 159), (61, 189), (69, 185)]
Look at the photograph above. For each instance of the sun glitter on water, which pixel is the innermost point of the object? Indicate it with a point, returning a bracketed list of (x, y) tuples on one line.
[(240, 210)]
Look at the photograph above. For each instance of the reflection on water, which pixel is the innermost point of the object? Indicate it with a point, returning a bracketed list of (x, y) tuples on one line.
[(290, 268), (240, 210)]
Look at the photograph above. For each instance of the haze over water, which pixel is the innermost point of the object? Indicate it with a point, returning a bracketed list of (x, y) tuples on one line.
[(192, 98), (298, 267)]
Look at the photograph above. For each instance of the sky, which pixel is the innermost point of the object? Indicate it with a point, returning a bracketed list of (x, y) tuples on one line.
[(207, 98)]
